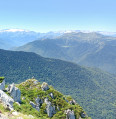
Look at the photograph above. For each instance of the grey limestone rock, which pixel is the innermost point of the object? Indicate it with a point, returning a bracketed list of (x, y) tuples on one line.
[(38, 101), (2, 85), (14, 92), (83, 115), (32, 104), (44, 86), (49, 108), (23, 98), (51, 95), (70, 114), (37, 107), (6, 100), (72, 102), (35, 82), (58, 108)]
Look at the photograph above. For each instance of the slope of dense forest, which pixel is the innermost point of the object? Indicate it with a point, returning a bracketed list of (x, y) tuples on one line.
[(88, 49), (93, 89)]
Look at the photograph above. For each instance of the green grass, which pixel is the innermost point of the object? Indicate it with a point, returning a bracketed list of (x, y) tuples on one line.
[(1, 79), (30, 91)]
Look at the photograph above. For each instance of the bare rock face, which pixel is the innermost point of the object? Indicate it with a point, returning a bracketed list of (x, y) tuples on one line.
[(49, 108), (72, 102), (38, 101), (44, 86), (2, 85), (83, 115), (14, 92), (32, 104), (51, 95), (70, 114), (6, 100), (38, 104), (37, 107)]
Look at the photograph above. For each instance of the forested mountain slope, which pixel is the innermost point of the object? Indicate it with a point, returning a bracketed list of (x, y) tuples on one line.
[(93, 89), (88, 49)]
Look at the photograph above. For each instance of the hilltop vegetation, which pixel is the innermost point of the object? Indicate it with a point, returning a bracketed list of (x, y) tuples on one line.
[(30, 91), (38, 101), (93, 89), (1, 79)]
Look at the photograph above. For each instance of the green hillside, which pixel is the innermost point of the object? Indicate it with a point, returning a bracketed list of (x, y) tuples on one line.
[(93, 89), (41, 101), (31, 91), (88, 49)]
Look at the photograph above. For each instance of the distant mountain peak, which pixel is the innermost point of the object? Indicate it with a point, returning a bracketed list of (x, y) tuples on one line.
[(14, 30)]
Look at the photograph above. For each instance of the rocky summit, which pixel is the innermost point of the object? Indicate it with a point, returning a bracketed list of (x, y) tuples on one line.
[(41, 101)]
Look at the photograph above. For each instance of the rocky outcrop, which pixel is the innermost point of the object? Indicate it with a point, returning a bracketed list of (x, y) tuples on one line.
[(49, 108), (83, 115), (32, 104), (70, 114), (14, 92), (35, 82), (72, 102), (2, 85), (44, 86), (6, 100), (36, 106), (38, 101), (51, 95)]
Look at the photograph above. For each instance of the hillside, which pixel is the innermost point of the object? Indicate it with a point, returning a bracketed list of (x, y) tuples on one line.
[(38, 101), (88, 49), (93, 89)]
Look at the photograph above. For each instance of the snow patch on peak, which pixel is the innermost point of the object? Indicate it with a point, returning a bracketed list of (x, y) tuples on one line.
[(14, 30)]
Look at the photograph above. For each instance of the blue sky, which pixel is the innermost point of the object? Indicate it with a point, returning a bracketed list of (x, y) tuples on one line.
[(55, 15)]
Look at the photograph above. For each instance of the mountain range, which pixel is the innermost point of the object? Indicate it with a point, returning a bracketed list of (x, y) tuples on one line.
[(92, 88), (10, 38), (87, 49)]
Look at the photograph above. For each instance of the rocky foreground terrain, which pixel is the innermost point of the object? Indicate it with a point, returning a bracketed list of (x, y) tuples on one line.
[(30, 99)]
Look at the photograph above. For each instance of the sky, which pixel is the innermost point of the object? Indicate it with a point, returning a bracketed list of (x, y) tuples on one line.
[(58, 15)]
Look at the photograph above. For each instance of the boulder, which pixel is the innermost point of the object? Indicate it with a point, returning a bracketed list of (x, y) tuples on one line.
[(35, 82), (15, 113), (72, 102), (23, 98), (49, 108), (70, 114), (38, 101), (51, 95), (44, 86), (37, 107), (14, 92), (80, 118), (30, 116), (2, 85), (83, 115), (32, 104), (6, 100), (46, 100), (58, 108)]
